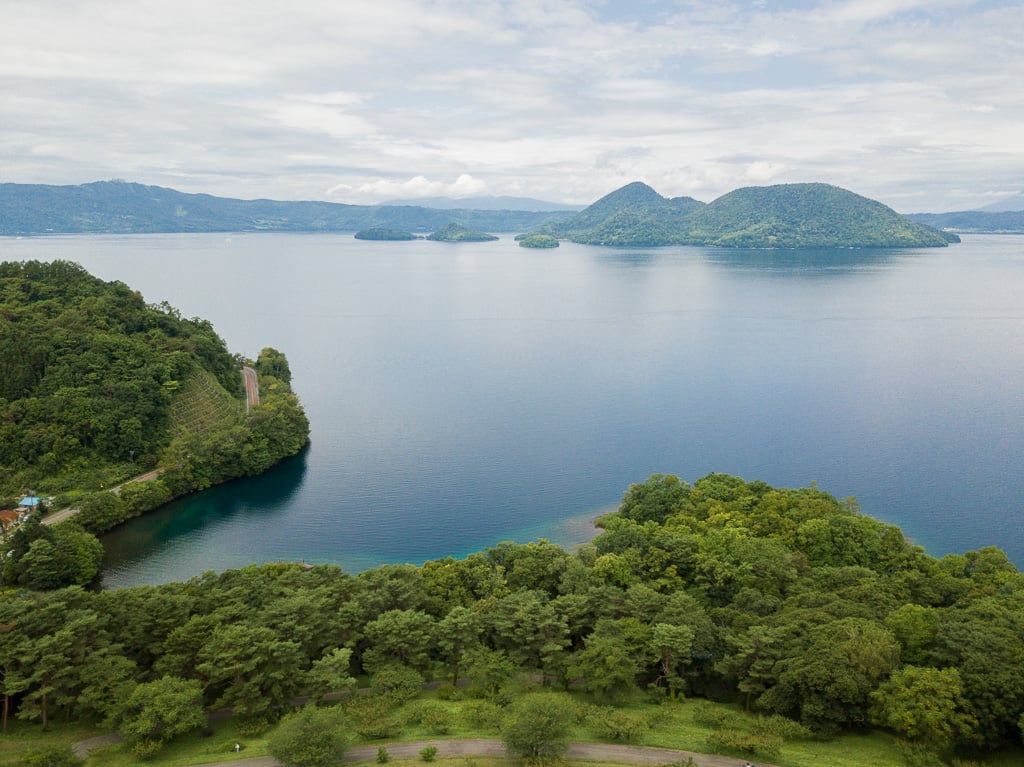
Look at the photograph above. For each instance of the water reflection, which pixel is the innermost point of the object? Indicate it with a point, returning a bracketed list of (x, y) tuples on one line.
[(260, 500)]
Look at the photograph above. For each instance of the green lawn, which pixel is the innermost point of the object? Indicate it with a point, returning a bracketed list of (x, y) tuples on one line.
[(671, 726)]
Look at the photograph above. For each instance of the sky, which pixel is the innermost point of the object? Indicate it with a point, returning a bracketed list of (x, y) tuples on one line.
[(917, 103)]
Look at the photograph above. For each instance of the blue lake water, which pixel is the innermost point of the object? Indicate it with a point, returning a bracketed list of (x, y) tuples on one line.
[(461, 395)]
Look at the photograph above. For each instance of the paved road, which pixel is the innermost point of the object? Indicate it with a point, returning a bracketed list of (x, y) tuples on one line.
[(598, 752), (63, 514), (252, 388)]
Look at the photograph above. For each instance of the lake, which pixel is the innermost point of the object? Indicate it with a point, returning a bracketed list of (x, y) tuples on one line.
[(465, 394)]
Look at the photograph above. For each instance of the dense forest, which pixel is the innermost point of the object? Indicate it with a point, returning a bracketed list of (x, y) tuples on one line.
[(780, 216), (97, 387), (787, 602)]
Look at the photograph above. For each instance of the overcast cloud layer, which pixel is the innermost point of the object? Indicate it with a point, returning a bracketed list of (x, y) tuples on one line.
[(918, 103)]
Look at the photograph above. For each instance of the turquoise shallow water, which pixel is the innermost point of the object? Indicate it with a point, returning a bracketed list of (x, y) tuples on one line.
[(461, 395)]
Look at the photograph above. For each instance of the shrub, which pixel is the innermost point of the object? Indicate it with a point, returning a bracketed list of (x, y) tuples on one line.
[(448, 691), (383, 757), (51, 756), (311, 737), (782, 727), (482, 714), (745, 743), (612, 724), (427, 753), (537, 726), (707, 715), (432, 715)]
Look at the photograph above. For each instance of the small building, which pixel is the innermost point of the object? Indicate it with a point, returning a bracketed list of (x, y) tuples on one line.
[(29, 502)]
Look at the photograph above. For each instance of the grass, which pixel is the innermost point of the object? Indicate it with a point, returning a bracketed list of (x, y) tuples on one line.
[(673, 725), (202, 402)]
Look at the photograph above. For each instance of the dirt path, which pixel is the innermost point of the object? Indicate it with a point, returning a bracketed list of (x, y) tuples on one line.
[(597, 752)]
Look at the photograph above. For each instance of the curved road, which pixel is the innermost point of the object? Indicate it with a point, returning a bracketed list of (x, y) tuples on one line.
[(597, 752), (252, 399), (252, 388)]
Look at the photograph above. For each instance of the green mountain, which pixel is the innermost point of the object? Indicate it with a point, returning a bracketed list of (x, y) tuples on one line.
[(783, 216), (457, 233), (117, 207), (806, 216)]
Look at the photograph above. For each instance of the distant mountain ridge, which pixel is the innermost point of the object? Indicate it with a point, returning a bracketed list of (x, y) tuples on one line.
[(781, 216), (1013, 203), (974, 221), (120, 207)]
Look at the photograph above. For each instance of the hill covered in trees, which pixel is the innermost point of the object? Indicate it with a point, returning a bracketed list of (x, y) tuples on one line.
[(782, 216), (787, 602), (118, 207), (97, 386)]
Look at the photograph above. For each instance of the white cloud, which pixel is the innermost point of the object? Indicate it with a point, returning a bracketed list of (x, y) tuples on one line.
[(418, 186), (909, 100)]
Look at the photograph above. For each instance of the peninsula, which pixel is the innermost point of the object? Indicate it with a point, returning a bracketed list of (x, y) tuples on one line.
[(98, 387)]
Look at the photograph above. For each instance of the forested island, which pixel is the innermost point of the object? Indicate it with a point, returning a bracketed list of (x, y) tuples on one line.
[(98, 387), (455, 232), (781, 216), (725, 616), (384, 233)]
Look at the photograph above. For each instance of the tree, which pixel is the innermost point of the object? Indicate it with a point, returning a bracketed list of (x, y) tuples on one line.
[(402, 636), (248, 669), (925, 705), (458, 633), (672, 647), (606, 663), (311, 737), (156, 712), (537, 726), (331, 673)]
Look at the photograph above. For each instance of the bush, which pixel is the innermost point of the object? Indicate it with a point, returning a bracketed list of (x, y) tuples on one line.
[(311, 737), (916, 755), (707, 715), (782, 727), (745, 743), (400, 683), (612, 724), (51, 756), (537, 726), (383, 757), (431, 715), (448, 691), (482, 714), (427, 753)]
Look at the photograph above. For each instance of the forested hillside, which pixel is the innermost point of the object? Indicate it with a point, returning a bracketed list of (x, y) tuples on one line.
[(96, 387), (787, 601), (88, 374), (118, 207)]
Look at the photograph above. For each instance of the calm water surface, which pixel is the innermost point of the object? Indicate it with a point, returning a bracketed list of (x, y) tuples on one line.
[(461, 395)]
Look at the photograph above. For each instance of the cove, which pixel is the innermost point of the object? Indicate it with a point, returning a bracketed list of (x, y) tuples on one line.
[(461, 395)]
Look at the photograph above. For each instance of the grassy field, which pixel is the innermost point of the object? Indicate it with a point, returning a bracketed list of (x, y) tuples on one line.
[(668, 726)]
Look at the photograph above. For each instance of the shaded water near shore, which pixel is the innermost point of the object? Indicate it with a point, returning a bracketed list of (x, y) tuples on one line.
[(461, 395)]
